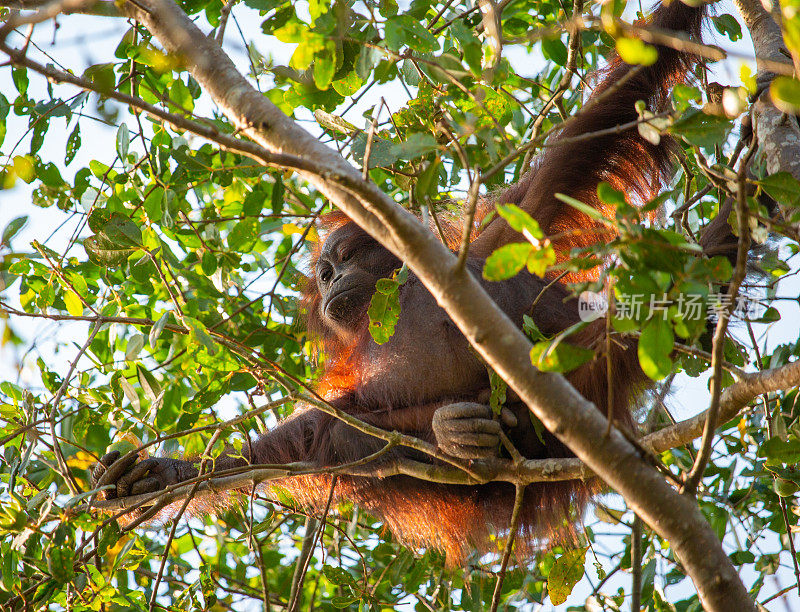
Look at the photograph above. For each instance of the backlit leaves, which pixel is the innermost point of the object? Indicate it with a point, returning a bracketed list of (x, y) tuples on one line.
[(634, 51), (558, 356), (565, 574), (508, 260), (785, 93)]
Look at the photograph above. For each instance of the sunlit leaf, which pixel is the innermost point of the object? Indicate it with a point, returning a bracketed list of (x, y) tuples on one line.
[(635, 51), (561, 357), (655, 346), (507, 261), (565, 574)]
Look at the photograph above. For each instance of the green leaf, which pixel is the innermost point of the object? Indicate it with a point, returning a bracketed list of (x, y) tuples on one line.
[(348, 85), (565, 574), (208, 263), (785, 93), (770, 316), (277, 196), (155, 331), (384, 307), (11, 390), (20, 78), (117, 238), (342, 602), (12, 228), (73, 144), (498, 386), (103, 252), (110, 536), (540, 259), (682, 95), (325, 66), (334, 122), (265, 5), (410, 73), (60, 563), (740, 557), (382, 152), (49, 175), (555, 50), (791, 25), (73, 303), (531, 330), (720, 268), (587, 210), (368, 58), (781, 451), (123, 141), (700, 129), (134, 347), (416, 145), (635, 51), (24, 168), (520, 221), (37, 138), (4, 108), (101, 76), (276, 22), (727, 25), (404, 30), (148, 383), (154, 204), (507, 261), (655, 346), (199, 334), (243, 236), (338, 575), (558, 356), (428, 182), (785, 488), (121, 230), (609, 195), (783, 188)]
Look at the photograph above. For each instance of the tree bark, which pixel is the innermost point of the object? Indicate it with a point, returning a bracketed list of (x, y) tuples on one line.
[(562, 410), (778, 133)]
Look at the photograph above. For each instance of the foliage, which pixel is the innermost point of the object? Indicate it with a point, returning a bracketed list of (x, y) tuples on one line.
[(187, 259)]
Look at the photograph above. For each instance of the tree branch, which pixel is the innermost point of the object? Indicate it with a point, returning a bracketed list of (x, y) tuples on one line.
[(556, 403), (732, 400), (778, 133)]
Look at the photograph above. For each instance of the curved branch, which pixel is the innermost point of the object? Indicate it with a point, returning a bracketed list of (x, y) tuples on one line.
[(555, 402), (733, 399)]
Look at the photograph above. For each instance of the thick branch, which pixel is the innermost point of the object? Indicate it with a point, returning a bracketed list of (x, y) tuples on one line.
[(562, 410), (732, 400), (778, 133)]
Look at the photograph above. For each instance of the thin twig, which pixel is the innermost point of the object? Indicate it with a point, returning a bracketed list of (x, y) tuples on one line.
[(739, 272), (297, 580), (636, 564), (519, 495), (469, 218), (224, 13), (370, 137), (62, 463)]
